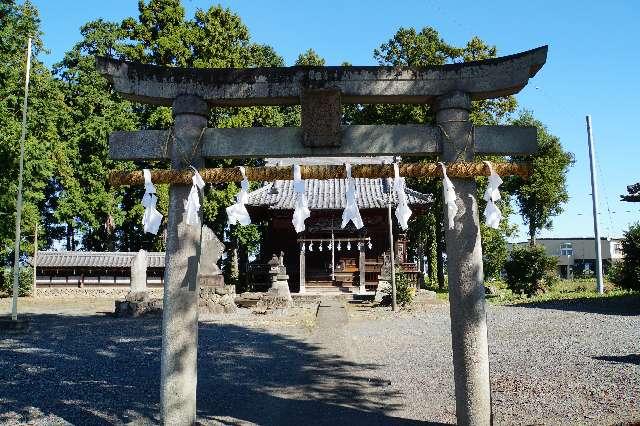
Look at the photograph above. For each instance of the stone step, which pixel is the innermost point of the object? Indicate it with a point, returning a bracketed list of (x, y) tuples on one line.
[(330, 288)]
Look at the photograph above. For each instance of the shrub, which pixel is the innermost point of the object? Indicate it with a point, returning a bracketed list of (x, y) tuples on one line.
[(626, 274), (530, 270), (404, 290), (25, 281)]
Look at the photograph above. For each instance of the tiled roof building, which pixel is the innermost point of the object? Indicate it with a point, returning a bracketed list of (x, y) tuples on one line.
[(330, 194), (93, 259)]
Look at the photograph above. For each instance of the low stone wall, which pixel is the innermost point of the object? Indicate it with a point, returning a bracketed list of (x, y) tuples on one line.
[(218, 300), (91, 293)]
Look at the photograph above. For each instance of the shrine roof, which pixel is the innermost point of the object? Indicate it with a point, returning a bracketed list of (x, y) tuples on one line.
[(92, 259), (330, 194)]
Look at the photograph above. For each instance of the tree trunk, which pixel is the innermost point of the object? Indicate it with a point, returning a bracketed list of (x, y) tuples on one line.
[(243, 266), (71, 243), (428, 240), (234, 267), (532, 235)]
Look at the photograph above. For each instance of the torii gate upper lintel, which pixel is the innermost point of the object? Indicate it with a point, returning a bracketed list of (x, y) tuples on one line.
[(321, 91), (485, 79)]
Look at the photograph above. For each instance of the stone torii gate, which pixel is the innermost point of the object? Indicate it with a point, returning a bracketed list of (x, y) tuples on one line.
[(449, 89)]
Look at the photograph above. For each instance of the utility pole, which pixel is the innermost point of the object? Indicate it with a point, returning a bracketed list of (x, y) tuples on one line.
[(35, 261), (16, 260), (594, 198), (394, 305)]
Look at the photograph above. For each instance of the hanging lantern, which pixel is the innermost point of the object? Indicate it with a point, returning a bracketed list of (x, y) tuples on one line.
[(339, 246), (328, 245), (348, 245), (320, 245), (311, 246), (303, 249), (369, 245)]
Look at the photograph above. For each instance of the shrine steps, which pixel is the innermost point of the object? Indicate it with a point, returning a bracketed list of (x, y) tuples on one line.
[(329, 290)]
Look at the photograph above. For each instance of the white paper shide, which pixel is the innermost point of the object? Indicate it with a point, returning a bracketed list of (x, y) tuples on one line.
[(403, 212), (449, 193), (301, 208), (192, 205), (492, 214), (151, 218), (237, 213), (351, 212)]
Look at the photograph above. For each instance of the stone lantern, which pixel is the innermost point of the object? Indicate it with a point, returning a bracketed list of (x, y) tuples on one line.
[(279, 278)]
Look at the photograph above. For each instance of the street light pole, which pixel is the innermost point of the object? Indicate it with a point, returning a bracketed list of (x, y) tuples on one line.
[(16, 260)]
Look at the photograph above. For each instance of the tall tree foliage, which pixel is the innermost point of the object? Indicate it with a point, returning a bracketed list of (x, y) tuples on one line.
[(542, 196), (46, 115), (162, 35), (626, 273), (409, 47), (86, 205)]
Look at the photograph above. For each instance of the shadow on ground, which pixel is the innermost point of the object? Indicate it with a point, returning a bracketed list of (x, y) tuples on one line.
[(633, 359), (624, 305), (101, 370)]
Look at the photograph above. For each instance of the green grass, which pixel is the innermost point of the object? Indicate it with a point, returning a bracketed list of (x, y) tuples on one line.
[(562, 290), (441, 294)]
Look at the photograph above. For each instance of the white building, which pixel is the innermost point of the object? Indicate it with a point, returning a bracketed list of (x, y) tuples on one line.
[(577, 256)]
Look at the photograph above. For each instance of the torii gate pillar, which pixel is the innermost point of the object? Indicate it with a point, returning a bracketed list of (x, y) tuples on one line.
[(178, 362), (466, 288)]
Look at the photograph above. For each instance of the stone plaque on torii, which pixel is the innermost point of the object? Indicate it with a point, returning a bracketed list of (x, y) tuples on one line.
[(449, 89)]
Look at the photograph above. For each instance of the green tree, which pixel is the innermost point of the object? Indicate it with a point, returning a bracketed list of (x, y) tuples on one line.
[(530, 270), (46, 115), (409, 47), (627, 273), (162, 35), (310, 58), (85, 202), (542, 196)]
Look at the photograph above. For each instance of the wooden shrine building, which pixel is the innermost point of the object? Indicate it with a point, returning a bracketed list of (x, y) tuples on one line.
[(325, 257)]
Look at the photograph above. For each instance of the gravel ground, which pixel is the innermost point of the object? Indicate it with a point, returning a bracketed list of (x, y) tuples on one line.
[(551, 363), (565, 363)]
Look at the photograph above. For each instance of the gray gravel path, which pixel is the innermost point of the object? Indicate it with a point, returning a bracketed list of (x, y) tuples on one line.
[(569, 363), (553, 363)]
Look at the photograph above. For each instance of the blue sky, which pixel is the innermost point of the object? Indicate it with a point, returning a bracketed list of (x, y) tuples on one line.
[(592, 67)]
